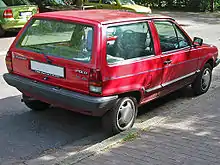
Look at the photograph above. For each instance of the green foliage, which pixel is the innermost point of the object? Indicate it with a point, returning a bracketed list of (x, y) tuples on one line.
[(217, 5), (188, 5), (130, 137)]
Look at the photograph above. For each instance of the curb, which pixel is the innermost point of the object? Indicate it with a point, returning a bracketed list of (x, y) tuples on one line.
[(108, 143)]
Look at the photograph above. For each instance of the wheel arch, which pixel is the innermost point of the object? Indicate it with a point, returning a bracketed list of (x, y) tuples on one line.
[(211, 62), (138, 95), (208, 60)]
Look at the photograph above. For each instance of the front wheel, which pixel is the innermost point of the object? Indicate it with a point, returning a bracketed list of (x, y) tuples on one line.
[(35, 105), (203, 80), (121, 117)]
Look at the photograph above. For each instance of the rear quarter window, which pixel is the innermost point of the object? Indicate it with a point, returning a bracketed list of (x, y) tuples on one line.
[(58, 38), (130, 41)]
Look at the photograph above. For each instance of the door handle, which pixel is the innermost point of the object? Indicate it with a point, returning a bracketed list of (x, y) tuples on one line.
[(167, 62)]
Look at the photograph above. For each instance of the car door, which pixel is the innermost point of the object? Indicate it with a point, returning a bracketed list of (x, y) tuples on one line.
[(132, 64), (179, 59)]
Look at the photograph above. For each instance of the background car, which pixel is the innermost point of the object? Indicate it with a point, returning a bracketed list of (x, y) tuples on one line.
[(55, 5), (14, 14), (127, 5)]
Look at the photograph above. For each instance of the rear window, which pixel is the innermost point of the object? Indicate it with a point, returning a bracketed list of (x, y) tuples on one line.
[(2, 4), (15, 2), (58, 38)]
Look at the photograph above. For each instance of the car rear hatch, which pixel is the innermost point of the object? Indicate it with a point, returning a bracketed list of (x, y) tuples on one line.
[(55, 52), (19, 9), (23, 12)]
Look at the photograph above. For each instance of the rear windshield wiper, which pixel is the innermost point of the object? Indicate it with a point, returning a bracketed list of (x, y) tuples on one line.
[(40, 50)]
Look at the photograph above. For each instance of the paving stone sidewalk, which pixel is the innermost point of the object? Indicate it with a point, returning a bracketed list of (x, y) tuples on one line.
[(190, 137)]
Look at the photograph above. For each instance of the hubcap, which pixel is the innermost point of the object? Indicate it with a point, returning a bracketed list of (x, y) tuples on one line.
[(206, 78), (125, 114)]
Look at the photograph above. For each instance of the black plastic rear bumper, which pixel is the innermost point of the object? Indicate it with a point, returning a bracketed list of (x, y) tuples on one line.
[(86, 104)]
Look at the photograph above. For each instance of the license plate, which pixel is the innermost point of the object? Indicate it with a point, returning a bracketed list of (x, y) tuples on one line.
[(25, 14), (47, 69)]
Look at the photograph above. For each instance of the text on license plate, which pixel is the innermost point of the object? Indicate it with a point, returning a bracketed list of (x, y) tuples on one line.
[(25, 14), (47, 69)]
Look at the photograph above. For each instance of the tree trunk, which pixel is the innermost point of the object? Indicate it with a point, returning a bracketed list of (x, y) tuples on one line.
[(170, 3), (159, 3), (79, 4), (211, 5), (39, 3)]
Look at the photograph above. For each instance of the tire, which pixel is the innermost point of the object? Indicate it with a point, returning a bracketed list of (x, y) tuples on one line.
[(35, 105), (203, 80), (120, 117), (2, 31)]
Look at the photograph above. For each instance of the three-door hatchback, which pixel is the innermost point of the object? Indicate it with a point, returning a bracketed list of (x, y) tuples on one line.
[(105, 63)]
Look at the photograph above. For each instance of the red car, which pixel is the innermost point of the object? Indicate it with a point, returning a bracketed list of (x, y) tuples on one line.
[(105, 63)]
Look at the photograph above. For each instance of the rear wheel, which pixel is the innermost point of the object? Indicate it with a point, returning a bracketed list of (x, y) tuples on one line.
[(35, 105), (121, 117), (203, 80), (2, 31)]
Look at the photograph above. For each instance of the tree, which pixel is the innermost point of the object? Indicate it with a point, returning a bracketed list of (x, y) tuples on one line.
[(79, 4), (211, 5)]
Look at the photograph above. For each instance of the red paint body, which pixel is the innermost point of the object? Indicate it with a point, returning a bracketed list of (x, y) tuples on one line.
[(149, 77)]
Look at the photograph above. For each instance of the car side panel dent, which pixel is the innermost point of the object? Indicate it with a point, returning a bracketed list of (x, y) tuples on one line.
[(126, 84)]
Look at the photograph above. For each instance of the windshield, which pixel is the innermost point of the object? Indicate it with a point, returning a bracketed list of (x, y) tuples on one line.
[(60, 39), (15, 2), (126, 2)]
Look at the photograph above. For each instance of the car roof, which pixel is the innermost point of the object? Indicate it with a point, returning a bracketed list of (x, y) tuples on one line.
[(100, 16)]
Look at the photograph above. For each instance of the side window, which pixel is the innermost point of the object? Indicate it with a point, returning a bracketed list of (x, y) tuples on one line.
[(171, 38), (167, 35), (93, 1), (182, 39), (129, 41)]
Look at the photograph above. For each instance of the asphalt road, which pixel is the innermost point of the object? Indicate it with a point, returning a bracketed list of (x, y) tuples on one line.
[(25, 134)]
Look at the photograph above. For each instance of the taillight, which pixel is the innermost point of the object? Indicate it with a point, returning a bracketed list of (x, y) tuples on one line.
[(95, 81), (8, 13), (8, 61)]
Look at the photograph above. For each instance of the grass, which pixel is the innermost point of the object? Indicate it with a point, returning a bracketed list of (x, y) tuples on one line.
[(130, 137)]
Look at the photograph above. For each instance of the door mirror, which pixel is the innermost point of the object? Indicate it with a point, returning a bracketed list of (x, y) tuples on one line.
[(197, 41)]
